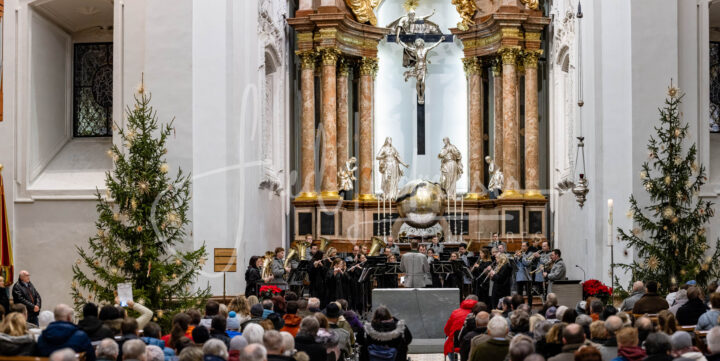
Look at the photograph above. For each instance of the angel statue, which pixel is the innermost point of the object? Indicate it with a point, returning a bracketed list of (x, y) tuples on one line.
[(347, 175), (496, 178), (419, 71), (410, 24), (389, 166), (450, 167)]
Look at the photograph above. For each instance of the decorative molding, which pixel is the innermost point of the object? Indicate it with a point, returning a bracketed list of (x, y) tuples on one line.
[(329, 56), (530, 58), (369, 66), (472, 65), (509, 55), (307, 58)]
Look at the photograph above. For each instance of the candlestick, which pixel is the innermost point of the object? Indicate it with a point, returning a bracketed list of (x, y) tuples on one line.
[(610, 222)]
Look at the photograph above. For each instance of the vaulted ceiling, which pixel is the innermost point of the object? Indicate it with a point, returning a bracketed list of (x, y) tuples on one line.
[(77, 15)]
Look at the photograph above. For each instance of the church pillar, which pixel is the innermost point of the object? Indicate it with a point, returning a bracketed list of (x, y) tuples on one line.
[(510, 125), (342, 112), (368, 69), (498, 114), (532, 175), (473, 71), (329, 185), (307, 126)]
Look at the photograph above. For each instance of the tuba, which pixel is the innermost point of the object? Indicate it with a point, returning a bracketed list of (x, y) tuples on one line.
[(377, 244), (302, 247), (292, 253), (267, 265), (469, 244), (324, 243)]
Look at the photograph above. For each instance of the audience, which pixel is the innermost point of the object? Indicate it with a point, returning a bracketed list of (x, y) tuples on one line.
[(64, 354), (91, 324), (212, 308), (573, 337), (681, 298), (292, 320), (191, 354), (384, 333), (215, 350), (709, 319), (667, 322), (645, 327), (638, 290), (15, 339), (133, 350), (683, 348), (628, 349), (273, 342), (713, 344), (254, 333), (217, 330), (657, 347), (496, 347), (63, 333), (237, 343), (481, 320), (612, 326), (257, 352), (107, 350), (690, 312), (154, 353), (650, 302)]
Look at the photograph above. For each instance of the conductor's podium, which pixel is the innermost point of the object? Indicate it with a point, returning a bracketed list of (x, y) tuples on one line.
[(424, 310)]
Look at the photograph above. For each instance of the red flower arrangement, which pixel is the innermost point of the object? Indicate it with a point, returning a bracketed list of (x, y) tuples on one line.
[(269, 291), (595, 288)]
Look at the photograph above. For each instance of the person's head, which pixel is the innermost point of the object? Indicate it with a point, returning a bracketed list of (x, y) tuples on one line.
[(63, 312), (356, 249), (212, 308), (667, 322), (259, 262), (268, 304), (200, 334), (694, 293), (215, 347), (644, 324), (520, 321), (332, 311), (273, 342), (107, 349), (414, 245), (555, 255), (501, 248), (253, 261), (364, 249), (180, 323), (195, 315), (218, 324), (292, 307), (587, 353), (715, 300), (279, 253), (627, 337), (524, 246), (390, 240), (253, 333), (545, 246), (651, 286), (520, 347), (133, 350), (573, 334), (560, 312), (314, 303), (607, 312), (309, 238), (309, 326), (190, 354), (713, 340), (288, 342), (657, 343), (430, 252), (14, 325), (152, 330), (129, 326), (454, 256), (322, 320), (302, 304), (24, 276), (481, 319), (680, 340), (598, 331), (612, 325), (584, 321), (237, 343), (65, 354), (253, 352), (516, 300), (497, 327), (535, 320), (381, 314), (435, 240), (90, 310), (256, 310), (638, 286), (154, 353)]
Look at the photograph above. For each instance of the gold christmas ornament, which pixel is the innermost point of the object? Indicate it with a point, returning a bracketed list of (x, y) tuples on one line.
[(653, 263), (164, 168), (677, 133), (705, 267), (673, 280), (667, 180), (160, 312), (178, 261), (133, 204), (139, 228), (110, 153), (675, 220), (672, 91), (140, 88), (201, 261), (678, 160), (668, 212), (143, 186), (96, 263), (630, 214), (648, 186), (136, 265), (643, 175), (673, 237), (116, 216), (101, 233), (78, 261), (683, 272), (664, 228), (174, 275), (637, 231), (114, 271), (694, 166), (121, 263)]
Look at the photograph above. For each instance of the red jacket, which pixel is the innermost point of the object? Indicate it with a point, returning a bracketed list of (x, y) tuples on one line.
[(292, 324), (455, 323)]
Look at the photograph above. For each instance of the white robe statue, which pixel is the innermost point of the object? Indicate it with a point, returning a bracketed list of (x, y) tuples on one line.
[(389, 166), (450, 168)]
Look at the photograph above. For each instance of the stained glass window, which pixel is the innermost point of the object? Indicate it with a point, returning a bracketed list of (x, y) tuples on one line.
[(92, 90), (715, 87)]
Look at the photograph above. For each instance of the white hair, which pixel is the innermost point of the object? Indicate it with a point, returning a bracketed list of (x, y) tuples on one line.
[(45, 318), (107, 348), (63, 312), (238, 343), (133, 349), (288, 343), (215, 347), (638, 286), (254, 333), (313, 302), (154, 353), (253, 352), (65, 354), (713, 340), (497, 327), (560, 312)]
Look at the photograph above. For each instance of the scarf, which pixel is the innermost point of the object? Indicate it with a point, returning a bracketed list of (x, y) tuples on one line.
[(633, 353)]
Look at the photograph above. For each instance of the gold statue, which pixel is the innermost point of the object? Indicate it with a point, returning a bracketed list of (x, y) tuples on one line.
[(364, 10), (466, 9), (531, 4)]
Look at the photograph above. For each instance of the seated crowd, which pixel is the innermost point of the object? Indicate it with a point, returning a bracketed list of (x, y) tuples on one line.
[(682, 326)]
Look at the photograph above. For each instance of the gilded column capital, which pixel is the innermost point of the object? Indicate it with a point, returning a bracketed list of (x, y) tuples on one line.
[(329, 56), (307, 58), (368, 66), (509, 55), (344, 66), (472, 65), (530, 58)]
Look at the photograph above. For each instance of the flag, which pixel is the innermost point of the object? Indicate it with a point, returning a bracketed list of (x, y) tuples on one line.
[(6, 257)]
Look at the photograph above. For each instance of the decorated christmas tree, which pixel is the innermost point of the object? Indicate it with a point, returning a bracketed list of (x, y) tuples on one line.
[(141, 225), (669, 233)]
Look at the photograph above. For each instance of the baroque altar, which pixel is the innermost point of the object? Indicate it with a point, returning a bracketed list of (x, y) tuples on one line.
[(337, 47)]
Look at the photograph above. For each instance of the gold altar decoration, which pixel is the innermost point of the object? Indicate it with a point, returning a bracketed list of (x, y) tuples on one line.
[(410, 4), (421, 203), (466, 9), (364, 10), (531, 4)]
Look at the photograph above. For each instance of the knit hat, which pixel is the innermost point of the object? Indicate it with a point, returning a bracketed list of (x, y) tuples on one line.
[(332, 310), (550, 313), (256, 310), (233, 323)]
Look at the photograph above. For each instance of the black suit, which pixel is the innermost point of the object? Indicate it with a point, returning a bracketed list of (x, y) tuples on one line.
[(27, 295), (502, 281), (5, 299)]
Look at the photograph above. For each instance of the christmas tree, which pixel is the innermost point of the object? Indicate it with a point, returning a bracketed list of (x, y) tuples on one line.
[(669, 234), (141, 225)]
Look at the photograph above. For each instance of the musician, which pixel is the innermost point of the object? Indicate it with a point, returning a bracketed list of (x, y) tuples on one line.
[(501, 276), (364, 249), (495, 240), (415, 265), (436, 246), (481, 286), (355, 256), (336, 280), (557, 272), (523, 261), (541, 259), (277, 267), (455, 279), (464, 254), (358, 291), (253, 275), (432, 258), (312, 250), (316, 274), (422, 249), (394, 248)]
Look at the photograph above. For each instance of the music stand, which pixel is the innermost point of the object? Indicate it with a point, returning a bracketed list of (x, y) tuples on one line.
[(442, 267), (373, 267), (297, 274), (392, 268)]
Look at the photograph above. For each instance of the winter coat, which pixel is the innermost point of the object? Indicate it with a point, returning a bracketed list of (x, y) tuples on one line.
[(27, 295), (151, 341), (455, 323), (222, 337), (628, 303), (691, 356), (62, 334), (95, 329), (708, 320), (650, 303), (568, 352), (252, 277), (635, 353), (5, 299), (307, 344), (17, 345), (690, 312), (491, 350), (234, 355), (292, 324), (392, 333)]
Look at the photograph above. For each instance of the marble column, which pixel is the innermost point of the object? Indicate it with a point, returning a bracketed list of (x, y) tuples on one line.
[(368, 70), (473, 71), (342, 111), (510, 125), (532, 174), (329, 185), (307, 125), (498, 114)]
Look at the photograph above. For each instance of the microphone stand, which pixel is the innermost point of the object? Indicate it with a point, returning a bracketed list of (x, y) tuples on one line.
[(582, 269)]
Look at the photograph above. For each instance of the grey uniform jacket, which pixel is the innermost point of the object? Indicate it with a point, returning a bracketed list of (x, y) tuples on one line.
[(557, 273), (415, 266)]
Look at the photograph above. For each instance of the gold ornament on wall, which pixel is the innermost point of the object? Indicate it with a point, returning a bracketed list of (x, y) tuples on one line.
[(531, 4), (466, 9), (410, 4), (364, 10)]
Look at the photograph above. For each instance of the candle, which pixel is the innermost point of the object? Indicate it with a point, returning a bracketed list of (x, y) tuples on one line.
[(610, 222)]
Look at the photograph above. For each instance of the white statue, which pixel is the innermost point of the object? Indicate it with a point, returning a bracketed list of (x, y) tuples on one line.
[(347, 175), (389, 166), (419, 70), (411, 24), (450, 167), (496, 177)]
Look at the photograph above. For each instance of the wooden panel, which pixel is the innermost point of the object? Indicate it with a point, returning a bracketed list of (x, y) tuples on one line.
[(225, 260)]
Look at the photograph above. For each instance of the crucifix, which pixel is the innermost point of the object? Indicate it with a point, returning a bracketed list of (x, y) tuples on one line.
[(417, 31)]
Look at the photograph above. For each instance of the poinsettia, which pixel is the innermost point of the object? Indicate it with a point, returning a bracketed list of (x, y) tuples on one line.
[(595, 288)]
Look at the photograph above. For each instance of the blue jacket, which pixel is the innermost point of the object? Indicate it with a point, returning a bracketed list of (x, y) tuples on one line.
[(61, 334), (151, 341), (266, 313), (708, 320)]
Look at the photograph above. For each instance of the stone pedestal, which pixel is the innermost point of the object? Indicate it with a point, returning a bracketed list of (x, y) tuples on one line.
[(473, 70), (368, 69), (307, 125)]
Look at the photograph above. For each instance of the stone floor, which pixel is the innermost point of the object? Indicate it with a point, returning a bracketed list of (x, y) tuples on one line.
[(427, 357)]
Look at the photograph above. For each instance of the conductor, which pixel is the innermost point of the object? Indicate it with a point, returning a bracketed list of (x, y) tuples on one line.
[(415, 265)]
